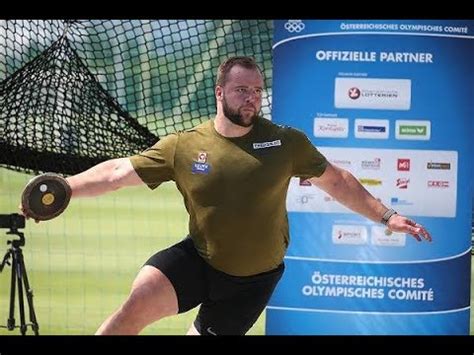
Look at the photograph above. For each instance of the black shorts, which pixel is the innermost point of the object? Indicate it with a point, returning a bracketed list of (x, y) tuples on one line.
[(230, 305)]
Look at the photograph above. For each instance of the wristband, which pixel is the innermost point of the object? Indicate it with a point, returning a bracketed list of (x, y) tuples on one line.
[(386, 216)]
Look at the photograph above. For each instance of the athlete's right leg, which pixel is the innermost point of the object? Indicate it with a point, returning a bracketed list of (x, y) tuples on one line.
[(172, 281), (152, 297)]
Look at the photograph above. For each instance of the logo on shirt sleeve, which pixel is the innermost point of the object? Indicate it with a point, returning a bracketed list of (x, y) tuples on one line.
[(201, 166)]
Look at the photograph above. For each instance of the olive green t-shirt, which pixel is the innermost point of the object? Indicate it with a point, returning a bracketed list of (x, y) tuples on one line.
[(234, 189)]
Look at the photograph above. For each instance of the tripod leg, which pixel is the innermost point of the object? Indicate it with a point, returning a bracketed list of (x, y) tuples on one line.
[(19, 276), (29, 294), (11, 318)]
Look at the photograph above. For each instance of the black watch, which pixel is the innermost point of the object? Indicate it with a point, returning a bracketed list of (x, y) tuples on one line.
[(386, 216)]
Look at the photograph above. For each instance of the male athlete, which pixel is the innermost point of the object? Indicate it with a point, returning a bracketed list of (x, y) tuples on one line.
[(233, 172)]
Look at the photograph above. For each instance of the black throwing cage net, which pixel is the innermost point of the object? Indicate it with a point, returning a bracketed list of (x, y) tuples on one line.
[(75, 93)]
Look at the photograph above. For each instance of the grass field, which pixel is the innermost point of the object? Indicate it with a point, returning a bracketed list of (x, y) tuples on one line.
[(81, 265)]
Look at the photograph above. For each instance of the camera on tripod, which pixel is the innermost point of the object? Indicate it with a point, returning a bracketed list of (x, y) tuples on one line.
[(19, 278), (12, 221)]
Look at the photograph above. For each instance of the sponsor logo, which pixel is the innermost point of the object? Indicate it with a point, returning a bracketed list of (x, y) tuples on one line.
[(370, 93), (440, 166), (331, 127), (294, 26), (349, 234), (395, 201), (371, 128), (382, 236), (341, 163), (371, 164), (402, 183), (412, 130), (354, 93), (370, 182), (361, 128), (440, 184), (403, 164), (264, 145)]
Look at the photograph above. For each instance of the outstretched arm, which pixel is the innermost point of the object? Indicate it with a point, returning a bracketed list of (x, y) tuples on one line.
[(346, 189), (108, 176)]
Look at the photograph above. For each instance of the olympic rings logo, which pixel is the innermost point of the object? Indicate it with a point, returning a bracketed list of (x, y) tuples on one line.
[(294, 26)]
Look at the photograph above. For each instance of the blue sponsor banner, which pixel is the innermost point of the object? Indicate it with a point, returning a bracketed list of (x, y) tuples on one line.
[(390, 101)]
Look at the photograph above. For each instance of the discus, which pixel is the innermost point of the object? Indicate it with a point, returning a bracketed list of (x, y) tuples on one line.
[(46, 196)]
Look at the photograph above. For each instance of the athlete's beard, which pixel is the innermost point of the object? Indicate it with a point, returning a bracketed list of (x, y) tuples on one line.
[(235, 116)]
